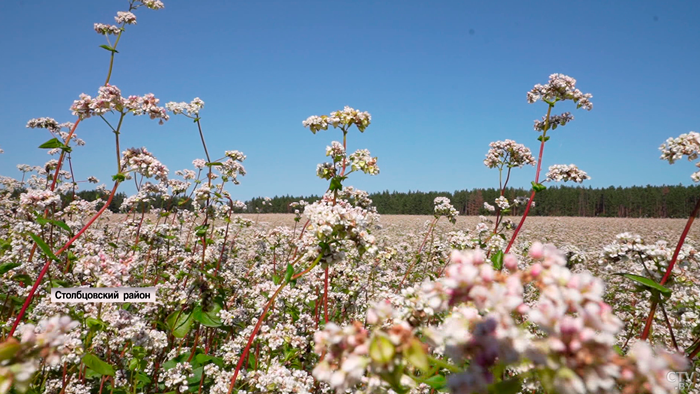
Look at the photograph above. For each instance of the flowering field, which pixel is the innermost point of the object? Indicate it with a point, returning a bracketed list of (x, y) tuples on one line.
[(333, 298)]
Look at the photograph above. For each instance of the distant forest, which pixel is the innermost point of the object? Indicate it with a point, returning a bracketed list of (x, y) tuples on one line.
[(637, 201)]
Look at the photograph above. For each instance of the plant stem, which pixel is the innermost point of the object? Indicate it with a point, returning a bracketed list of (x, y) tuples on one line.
[(667, 275), (537, 179)]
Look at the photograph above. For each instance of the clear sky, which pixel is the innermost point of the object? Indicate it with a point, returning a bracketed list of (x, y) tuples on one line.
[(441, 79)]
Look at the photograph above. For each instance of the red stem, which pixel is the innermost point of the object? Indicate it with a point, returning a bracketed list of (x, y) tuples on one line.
[(667, 275)]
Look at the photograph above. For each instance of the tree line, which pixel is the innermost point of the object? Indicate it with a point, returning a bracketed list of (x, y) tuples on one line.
[(636, 201)]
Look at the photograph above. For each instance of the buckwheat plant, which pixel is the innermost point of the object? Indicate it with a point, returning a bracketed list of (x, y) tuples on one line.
[(559, 88)]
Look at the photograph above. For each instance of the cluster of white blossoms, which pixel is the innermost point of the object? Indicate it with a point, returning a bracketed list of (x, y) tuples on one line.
[(125, 17), (232, 167), (104, 29), (565, 173), (334, 219), (109, 98), (560, 87), (508, 153), (44, 123), (345, 118), (554, 121), (336, 151), (143, 162), (502, 203), (20, 360), (361, 160), (35, 199), (489, 207), (189, 109), (683, 145), (443, 207)]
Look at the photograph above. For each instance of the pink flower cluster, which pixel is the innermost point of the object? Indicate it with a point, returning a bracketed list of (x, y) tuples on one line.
[(560, 87), (508, 153), (109, 98), (345, 118)]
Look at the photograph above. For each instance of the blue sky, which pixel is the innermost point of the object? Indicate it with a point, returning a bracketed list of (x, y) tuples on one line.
[(441, 79)]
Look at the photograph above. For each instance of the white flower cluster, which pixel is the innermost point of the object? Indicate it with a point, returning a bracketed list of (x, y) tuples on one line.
[(683, 145), (345, 118), (44, 123), (565, 173), (35, 199), (103, 29), (125, 17), (336, 151), (109, 98), (362, 160), (190, 110), (560, 87), (502, 203), (508, 153), (143, 162), (554, 121), (443, 207)]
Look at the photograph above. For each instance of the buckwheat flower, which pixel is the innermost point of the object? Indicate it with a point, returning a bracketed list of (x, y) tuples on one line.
[(336, 151), (103, 29), (361, 160), (125, 17), (489, 207), (508, 153), (443, 207), (349, 116), (199, 163), (143, 162), (502, 202), (325, 171), (152, 4), (92, 179), (560, 87), (564, 173), (38, 199), (554, 121), (44, 123), (191, 110), (235, 155), (316, 123), (230, 169)]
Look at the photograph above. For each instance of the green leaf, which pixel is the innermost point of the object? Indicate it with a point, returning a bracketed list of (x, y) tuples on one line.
[(51, 144), (209, 318), (109, 48), (497, 260), (22, 278), (618, 350), (336, 184), (60, 224), (120, 177), (649, 283), (201, 231), (290, 272), (59, 283), (415, 354), (97, 365), (180, 323), (8, 266), (216, 163), (437, 382), (381, 349), (93, 323), (538, 187), (44, 247), (510, 386)]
